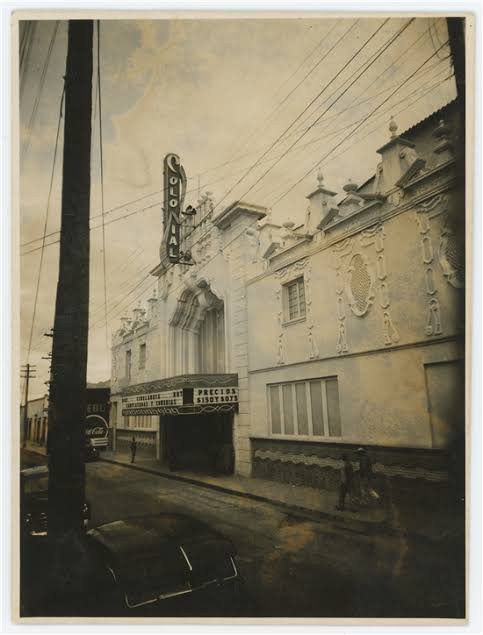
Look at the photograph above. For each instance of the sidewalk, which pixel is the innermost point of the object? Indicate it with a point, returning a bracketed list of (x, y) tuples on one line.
[(307, 502), (439, 522)]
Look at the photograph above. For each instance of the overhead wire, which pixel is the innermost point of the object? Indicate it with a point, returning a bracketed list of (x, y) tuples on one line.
[(359, 121), (425, 91), (46, 220), (127, 203), (281, 135), (38, 95), (156, 203), (365, 119), (287, 97), (364, 70)]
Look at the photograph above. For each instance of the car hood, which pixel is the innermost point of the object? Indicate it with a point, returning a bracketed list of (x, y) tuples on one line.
[(146, 535), (157, 554)]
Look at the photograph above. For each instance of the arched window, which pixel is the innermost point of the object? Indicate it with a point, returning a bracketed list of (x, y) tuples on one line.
[(197, 333)]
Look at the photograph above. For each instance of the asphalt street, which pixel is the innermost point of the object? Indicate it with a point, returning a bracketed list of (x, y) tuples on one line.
[(295, 567)]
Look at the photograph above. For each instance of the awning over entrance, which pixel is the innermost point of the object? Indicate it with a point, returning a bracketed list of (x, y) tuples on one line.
[(181, 395)]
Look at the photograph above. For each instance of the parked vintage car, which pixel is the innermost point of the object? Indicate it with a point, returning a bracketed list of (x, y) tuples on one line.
[(34, 485), (160, 565)]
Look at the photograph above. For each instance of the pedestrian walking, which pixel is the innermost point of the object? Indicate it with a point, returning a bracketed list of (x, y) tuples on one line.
[(365, 476), (346, 482), (134, 447)]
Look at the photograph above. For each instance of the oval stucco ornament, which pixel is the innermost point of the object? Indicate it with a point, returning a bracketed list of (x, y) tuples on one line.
[(359, 285)]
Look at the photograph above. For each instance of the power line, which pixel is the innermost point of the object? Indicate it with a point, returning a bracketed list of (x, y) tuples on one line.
[(26, 45), (365, 119), (99, 96), (360, 120), (294, 121), (285, 99), (412, 47), (364, 70), (43, 75), (145, 208), (45, 224), (426, 90), (179, 286), (220, 165)]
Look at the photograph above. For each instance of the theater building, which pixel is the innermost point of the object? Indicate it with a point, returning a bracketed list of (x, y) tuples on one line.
[(287, 346)]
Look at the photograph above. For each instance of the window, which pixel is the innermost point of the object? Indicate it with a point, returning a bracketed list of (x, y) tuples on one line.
[(294, 300), (138, 421), (305, 408), (142, 356), (128, 365)]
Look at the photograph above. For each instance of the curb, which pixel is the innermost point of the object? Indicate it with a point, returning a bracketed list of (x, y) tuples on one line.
[(354, 525)]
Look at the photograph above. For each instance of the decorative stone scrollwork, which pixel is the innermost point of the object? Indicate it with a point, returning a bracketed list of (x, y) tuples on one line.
[(375, 236), (342, 339), (280, 355), (390, 333), (451, 258), (341, 250), (433, 324), (428, 210), (427, 249), (292, 270), (429, 279), (313, 348), (381, 267), (384, 295)]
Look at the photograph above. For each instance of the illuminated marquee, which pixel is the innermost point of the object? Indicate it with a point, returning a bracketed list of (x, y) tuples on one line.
[(182, 401), (174, 193)]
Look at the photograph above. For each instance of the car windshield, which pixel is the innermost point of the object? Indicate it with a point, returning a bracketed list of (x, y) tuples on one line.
[(36, 485)]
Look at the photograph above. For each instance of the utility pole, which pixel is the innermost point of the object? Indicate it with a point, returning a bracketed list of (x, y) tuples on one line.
[(69, 346), (27, 372)]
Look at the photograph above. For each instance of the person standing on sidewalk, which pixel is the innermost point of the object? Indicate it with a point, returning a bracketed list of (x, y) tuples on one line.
[(365, 476), (346, 482), (134, 447)]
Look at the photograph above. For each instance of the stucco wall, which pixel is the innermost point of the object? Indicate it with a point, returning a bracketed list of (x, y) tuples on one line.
[(383, 396)]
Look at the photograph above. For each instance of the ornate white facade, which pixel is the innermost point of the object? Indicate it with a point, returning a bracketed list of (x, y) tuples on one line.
[(347, 330)]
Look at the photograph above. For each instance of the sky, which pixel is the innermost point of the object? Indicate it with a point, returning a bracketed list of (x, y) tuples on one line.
[(230, 97)]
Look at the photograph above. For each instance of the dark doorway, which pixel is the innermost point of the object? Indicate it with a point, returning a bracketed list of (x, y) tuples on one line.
[(199, 443)]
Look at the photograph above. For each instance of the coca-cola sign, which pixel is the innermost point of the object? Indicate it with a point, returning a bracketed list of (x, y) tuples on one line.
[(96, 428)]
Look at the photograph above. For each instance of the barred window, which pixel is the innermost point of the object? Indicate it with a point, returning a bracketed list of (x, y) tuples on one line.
[(305, 408), (142, 356), (294, 300), (128, 365)]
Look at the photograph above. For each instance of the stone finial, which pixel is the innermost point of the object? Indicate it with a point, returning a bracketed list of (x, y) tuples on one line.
[(350, 186), (444, 145), (392, 128), (320, 178), (442, 130)]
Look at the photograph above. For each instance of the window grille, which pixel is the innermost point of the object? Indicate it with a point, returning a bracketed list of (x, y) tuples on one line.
[(294, 299)]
